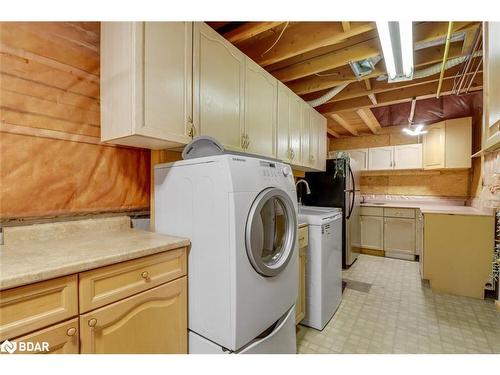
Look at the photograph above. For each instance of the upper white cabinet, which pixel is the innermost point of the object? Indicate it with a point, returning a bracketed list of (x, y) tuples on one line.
[(448, 144), (288, 125), (491, 88), (381, 158), (305, 121), (146, 83), (408, 156), (260, 110), (219, 88), (359, 158)]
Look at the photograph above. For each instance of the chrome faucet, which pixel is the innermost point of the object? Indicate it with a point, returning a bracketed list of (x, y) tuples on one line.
[(308, 190)]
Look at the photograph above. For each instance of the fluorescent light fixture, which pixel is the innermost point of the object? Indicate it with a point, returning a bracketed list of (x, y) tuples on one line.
[(385, 40), (396, 39), (417, 131), (406, 39)]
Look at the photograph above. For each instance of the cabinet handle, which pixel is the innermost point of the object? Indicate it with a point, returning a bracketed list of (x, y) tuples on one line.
[(92, 322), (145, 275), (71, 331)]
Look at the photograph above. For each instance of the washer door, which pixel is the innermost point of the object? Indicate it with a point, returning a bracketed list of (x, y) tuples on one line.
[(271, 232)]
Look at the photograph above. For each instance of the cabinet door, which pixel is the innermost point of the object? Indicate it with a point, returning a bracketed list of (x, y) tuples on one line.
[(408, 156), (260, 109), (491, 88), (283, 123), (322, 143), (399, 235), (359, 158), (314, 139), (381, 158), (218, 87), (458, 143), (372, 232), (167, 80), (305, 120), (294, 129), (151, 322), (62, 338), (300, 305), (433, 146)]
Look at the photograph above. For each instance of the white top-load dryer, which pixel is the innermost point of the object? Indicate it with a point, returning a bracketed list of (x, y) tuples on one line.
[(240, 214)]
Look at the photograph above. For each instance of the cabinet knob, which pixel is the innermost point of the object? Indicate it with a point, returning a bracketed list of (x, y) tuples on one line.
[(92, 322), (145, 275), (71, 331)]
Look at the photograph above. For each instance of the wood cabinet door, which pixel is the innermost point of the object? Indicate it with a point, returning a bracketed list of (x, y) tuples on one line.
[(433, 154), (372, 232), (283, 123), (359, 158), (408, 156), (167, 80), (491, 88), (314, 139), (322, 143), (305, 120), (300, 305), (458, 143), (399, 235), (294, 129), (218, 87), (260, 109), (381, 158), (154, 321), (62, 338)]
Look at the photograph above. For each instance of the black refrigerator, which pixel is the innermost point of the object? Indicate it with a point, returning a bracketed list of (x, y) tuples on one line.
[(330, 189)]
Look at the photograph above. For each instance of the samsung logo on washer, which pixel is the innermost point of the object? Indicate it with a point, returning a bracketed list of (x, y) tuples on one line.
[(24, 346)]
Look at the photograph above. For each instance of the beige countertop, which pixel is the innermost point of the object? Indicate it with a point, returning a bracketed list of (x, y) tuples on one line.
[(45, 251), (429, 208)]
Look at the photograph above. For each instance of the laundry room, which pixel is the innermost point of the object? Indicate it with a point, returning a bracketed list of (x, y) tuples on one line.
[(301, 186)]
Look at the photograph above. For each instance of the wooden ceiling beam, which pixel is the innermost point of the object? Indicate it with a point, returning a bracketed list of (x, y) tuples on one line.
[(346, 25), (342, 122), (368, 84), (299, 38), (333, 133), (424, 32), (373, 99), (423, 91), (369, 119), (332, 60), (249, 30)]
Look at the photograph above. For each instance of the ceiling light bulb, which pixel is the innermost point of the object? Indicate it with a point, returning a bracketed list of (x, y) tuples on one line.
[(385, 40), (406, 38)]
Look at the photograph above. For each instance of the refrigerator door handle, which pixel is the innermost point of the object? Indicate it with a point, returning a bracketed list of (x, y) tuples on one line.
[(352, 193)]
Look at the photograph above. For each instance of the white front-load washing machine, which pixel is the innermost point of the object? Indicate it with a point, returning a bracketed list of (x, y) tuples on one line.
[(240, 214)]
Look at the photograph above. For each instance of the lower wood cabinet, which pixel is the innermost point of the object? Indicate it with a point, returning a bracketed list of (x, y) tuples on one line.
[(300, 305), (151, 322), (62, 338), (372, 232), (399, 235)]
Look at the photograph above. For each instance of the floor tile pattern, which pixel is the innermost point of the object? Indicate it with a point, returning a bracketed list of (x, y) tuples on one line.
[(400, 314)]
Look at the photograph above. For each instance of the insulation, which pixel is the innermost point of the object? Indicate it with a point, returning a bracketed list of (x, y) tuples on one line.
[(51, 158), (428, 111)]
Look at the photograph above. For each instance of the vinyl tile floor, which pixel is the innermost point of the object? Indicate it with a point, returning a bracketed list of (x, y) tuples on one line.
[(397, 313)]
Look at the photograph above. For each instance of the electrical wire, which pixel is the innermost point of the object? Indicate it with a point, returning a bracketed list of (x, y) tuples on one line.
[(277, 40)]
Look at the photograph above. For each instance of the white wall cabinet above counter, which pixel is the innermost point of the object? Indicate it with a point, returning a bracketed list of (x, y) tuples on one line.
[(162, 83)]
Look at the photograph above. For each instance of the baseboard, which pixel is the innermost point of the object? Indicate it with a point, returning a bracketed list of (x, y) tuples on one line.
[(378, 253)]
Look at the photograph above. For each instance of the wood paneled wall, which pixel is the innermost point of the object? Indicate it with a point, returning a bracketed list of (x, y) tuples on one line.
[(52, 160), (451, 183)]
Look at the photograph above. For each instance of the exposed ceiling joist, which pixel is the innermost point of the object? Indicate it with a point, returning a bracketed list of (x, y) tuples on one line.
[(369, 119), (373, 99), (332, 60), (249, 30), (364, 50), (299, 38), (332, 133), (346, 25), (368, 84), (423, 91), (342, 122)]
